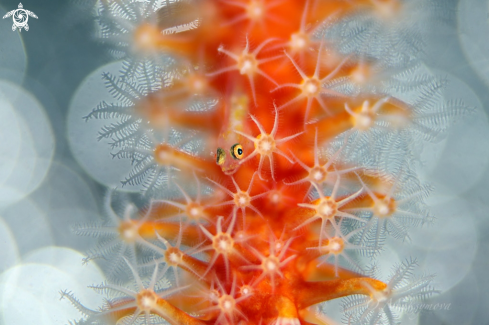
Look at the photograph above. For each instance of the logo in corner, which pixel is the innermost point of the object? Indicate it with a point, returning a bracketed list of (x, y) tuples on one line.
[(20, 17)]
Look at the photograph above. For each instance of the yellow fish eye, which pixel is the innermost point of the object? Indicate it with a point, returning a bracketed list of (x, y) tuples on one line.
[(220, 156), (237, 151)]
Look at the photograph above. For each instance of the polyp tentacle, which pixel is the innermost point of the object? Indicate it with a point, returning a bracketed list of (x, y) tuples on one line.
[(326, 208), (312, 87), (318, 174), (240, 199), (266, 144), (248, 64), (222, 244)]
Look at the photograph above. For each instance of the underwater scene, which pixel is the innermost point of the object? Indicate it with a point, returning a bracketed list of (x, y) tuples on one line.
[(261, 162)]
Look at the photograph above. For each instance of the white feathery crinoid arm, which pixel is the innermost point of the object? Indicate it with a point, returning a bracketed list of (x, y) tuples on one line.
[(404, 293)]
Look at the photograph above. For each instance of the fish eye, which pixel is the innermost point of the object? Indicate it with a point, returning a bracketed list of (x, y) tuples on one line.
[(237, 151), (220, 156)]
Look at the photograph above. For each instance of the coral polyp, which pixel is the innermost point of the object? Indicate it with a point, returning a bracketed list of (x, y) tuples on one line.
[(272, 141)]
